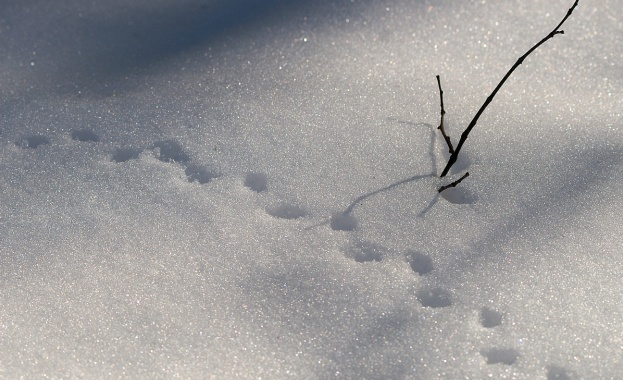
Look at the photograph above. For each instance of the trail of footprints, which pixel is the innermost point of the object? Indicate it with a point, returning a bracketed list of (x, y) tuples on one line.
[(168, 151), (360, 251), (435, 297), (171, 151)]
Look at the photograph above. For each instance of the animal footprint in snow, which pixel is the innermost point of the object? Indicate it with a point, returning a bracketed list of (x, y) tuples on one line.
[(286, 211), (32, 142), (506, 356), (490, 318), (256, 182), (200, 174), (343, 221), (171, 151), (365, 251), (420, 263), (434, 298)]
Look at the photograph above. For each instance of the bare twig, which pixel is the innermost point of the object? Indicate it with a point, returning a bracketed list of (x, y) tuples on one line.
[(442, 188), (471, 125), (443, 112)]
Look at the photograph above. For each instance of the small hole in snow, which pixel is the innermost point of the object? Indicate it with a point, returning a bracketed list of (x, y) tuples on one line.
[(32, 142), (171, 151), (506, 356), (420, 263), (490, 318), (343, 222), (436, 297), (256, 182), (285, 211), (196, 173), (365, 251)]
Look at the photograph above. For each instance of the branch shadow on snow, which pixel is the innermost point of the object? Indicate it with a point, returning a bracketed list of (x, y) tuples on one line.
[(363, 197), (555, 201), (345, 221)]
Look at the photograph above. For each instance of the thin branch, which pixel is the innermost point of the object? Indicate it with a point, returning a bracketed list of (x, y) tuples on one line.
[(471, 125), (442, 188), (443, 112)]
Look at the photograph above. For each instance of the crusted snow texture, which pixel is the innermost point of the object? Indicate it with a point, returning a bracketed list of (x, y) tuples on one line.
[(247, 189)]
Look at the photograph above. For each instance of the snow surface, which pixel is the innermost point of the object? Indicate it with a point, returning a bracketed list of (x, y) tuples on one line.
[(246, 189)]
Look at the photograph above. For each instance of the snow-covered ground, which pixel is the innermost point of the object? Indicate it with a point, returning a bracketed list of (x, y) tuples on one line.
[(247, 189)]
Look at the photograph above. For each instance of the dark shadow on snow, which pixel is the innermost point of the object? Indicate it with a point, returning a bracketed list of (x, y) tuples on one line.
[(561, 200), (363, 197), (345, 221), (100, 53), (359, 200)]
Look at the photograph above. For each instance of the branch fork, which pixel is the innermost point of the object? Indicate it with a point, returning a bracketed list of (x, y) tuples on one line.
[(454, 152)]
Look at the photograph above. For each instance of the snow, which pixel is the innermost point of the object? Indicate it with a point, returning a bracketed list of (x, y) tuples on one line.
[(247, 189)]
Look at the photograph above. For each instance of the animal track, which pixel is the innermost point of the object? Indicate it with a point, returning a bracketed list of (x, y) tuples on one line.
[(166, 151), (171, 151), (435, 297), (420, 263), (84, 135), (196, 173), (286, 211), (32, 142), (256, 182), (506, 356), (343, 222), (490, 318), (364, 251)]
